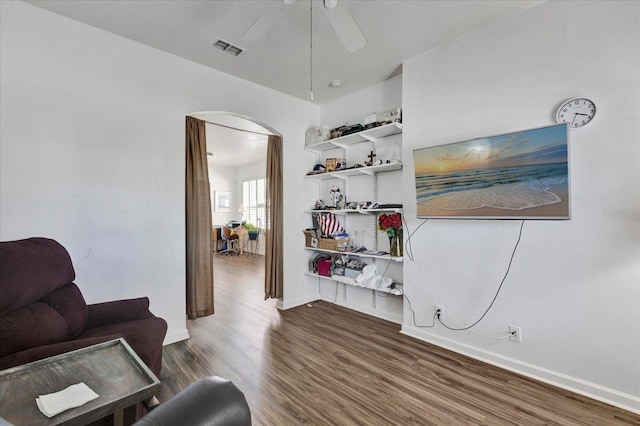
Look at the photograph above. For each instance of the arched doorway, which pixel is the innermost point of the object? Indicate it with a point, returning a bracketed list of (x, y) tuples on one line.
[(199, 208)]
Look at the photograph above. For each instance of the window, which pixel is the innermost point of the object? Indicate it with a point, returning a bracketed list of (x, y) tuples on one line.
[(253, 196)]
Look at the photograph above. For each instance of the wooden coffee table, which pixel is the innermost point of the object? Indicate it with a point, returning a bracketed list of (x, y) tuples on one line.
[(111, 369)]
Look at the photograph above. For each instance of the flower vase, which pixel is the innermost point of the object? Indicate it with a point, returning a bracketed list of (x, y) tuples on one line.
[(395, 246)]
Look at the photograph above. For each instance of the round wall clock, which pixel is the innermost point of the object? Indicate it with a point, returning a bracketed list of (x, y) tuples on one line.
[(576, 111)]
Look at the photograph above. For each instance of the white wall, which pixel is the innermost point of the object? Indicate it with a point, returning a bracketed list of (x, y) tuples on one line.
[(573, 286), (92, 154), (223, 178), (354, 108)]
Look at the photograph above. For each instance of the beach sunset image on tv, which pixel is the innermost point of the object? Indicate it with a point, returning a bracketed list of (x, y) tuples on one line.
[(512, 176)]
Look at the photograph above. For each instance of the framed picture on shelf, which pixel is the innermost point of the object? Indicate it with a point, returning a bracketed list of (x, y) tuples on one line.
[(222, 201), (330, 165)]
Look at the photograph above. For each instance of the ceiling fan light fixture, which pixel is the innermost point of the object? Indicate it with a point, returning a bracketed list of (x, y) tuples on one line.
[(330, 4), (336, 12)]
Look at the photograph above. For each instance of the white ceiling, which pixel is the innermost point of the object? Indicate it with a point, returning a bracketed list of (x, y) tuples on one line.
[(396, 30), (232, 140), (234, 148)]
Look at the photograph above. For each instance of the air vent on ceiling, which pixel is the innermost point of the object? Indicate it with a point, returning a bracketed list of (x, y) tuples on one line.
[(227, 47)]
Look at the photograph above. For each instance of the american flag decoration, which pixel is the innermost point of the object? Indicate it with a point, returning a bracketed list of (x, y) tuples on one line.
[(329, 225)]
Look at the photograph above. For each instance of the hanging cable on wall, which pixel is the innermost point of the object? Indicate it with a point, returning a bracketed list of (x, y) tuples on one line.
[(409, 250), (513, 253), (435, 318)]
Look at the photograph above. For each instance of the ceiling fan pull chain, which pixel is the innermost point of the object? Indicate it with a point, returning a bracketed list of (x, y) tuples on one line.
[(311, 50)]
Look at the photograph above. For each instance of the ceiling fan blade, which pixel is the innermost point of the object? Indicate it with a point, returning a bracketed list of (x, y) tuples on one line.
[(346, 27), (267, 21)]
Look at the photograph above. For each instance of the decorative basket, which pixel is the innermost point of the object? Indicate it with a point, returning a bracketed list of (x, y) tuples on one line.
[(328, 244)]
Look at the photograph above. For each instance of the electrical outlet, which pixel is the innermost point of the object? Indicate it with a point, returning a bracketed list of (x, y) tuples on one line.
[(515, 333), (439, 312)]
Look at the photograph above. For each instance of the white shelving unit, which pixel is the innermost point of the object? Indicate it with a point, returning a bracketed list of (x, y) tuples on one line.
[(396, 291), (361, 183), (370, 135), (344, 174), (358, 254), (357, 211)]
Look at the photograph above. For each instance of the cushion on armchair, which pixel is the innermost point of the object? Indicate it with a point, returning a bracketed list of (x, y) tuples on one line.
[(60, 316), (30, 270), (33, 325), (70, 304)]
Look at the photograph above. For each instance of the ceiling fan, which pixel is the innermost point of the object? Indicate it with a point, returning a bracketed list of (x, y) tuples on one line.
[(336, 12)]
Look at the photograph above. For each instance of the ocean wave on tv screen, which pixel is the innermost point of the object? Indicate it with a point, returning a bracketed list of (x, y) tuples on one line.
[(436, 184), (509, 196)]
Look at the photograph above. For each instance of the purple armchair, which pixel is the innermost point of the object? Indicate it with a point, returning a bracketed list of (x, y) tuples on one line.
[(43, 313)]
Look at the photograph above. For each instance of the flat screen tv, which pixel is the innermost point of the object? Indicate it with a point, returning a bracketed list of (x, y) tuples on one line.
[(520, 175)]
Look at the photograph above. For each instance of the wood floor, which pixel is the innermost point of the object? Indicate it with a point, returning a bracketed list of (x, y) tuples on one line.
[(327, 365)]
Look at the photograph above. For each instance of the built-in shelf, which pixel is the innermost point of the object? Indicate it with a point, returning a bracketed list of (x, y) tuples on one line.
[(371, 135), (352, 211), (361, 183), (357, 254), (344, 174), (397, 291)]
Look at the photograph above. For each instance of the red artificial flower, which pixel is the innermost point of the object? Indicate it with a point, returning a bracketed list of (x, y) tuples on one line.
[(390, 223)]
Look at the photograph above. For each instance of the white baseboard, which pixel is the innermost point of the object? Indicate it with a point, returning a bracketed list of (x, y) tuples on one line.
[(592, 390), (395, 318), (176, 336), (294, 303), (378, 313)]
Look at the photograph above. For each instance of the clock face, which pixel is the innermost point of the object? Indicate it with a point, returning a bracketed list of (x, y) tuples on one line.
[(577, 112)]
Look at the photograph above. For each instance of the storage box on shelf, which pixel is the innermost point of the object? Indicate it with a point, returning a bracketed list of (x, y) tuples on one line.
[(310, 238), (314, 241), (328, 244)]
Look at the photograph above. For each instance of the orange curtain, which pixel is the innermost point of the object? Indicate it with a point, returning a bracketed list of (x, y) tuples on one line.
[(198, 222), (274, 271)]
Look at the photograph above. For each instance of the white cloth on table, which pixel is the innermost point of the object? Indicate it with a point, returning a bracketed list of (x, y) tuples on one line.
[(71, 397)]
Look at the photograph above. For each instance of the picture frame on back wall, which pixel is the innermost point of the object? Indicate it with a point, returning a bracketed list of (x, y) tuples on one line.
[(222, 201)]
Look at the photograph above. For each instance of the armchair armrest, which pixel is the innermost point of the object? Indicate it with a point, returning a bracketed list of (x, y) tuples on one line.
[(210, 401), (118, 311)]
